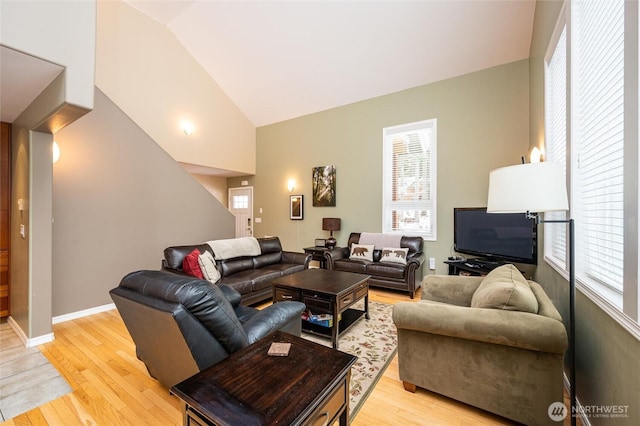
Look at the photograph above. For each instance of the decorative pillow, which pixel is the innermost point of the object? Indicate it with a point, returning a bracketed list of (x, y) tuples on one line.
[(505, 288), (208, 267), (361, 252), (190, 264), (394, 255)]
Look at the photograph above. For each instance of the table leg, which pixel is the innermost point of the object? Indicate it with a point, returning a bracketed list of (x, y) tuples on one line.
[(335, 330), (344, 417), (366, 306)]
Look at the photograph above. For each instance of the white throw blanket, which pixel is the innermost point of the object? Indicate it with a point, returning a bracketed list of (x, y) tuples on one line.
[(380, 240), (235, 247)]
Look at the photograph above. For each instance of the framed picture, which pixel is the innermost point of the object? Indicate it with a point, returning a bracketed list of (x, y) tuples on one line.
[(324, 186), (295, 208)]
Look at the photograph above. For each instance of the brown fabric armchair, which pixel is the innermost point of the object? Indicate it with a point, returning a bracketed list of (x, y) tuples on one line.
[(504, 361)]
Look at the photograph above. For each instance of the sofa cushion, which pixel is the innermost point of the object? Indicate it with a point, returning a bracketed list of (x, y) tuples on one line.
[(387, 270), (362, 252), (505, 288), (284, 268), (263, 279), (357, 266), (267, 259), (208, 267), (240, 282), (233, 266), (394, 255), (191, 266)]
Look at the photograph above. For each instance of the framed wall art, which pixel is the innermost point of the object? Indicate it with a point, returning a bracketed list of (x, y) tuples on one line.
[(295, 208), (324, 186)]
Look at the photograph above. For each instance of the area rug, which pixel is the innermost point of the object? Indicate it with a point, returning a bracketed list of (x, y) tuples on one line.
[(374, 342), (27, 379)]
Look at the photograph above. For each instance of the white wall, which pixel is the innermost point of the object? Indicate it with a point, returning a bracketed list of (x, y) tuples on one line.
[(119, 200), (62, 32), (151, 76)]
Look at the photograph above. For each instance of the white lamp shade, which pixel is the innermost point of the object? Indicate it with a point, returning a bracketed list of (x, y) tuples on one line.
[(533, 187)]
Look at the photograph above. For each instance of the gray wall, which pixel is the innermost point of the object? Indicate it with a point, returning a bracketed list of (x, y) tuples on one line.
[(119, 200), (608, 365), (483, 123)]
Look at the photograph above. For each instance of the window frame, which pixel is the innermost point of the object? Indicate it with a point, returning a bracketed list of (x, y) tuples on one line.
[(429, 205), (623, 307)]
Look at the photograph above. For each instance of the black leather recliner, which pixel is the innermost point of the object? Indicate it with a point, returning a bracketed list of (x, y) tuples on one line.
[(182, 325)]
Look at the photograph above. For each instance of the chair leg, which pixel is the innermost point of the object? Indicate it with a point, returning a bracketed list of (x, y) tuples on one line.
[(409, 386)]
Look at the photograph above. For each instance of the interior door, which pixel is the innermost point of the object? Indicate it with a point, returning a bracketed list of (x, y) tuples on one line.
[(241, 205)]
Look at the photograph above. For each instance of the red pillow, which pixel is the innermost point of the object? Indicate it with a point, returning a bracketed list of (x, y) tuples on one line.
[(191, 266)]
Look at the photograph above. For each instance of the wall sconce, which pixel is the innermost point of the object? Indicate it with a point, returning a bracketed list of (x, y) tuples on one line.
[(187, 127), (536, 155), (56, 152), (291, 185)]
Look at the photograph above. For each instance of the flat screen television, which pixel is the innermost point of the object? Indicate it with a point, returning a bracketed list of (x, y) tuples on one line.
[(509, 237)]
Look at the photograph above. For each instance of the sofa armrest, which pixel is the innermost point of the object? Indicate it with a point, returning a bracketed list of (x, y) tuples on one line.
[(335, 254), (451, 289), (272, 318), (508, 328), (417, 259), (414, 263), (296, 258)]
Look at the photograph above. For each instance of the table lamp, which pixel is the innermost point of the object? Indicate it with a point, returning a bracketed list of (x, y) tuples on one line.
[(331, 224), (532, 189)]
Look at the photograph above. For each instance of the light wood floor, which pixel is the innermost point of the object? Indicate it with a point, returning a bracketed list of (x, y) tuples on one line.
[(111, 386)]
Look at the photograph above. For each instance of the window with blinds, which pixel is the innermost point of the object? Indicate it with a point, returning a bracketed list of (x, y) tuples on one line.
[(555, 236), (598, 139), (409, 179)]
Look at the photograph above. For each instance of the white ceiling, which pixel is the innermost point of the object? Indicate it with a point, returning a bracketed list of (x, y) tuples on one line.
[(278, 60)]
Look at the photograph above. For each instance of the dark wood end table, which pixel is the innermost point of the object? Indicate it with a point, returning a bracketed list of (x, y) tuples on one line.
[(326, 291), (317, 253), (309, 386)]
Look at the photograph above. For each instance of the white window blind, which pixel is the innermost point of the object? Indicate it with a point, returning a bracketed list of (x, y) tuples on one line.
[(598, 103), (409, 179), (555, 236)]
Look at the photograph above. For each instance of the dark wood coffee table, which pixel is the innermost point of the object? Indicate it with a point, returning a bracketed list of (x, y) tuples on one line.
[(326, 291), (309, 386)]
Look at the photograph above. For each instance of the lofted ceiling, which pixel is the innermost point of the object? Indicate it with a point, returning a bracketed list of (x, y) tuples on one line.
[(279, 60)]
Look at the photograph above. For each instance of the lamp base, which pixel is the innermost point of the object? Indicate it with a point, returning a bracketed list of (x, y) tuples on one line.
[(331, 242)]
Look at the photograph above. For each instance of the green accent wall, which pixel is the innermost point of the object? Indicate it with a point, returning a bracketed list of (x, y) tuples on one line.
[(483, 123), (607, 361)]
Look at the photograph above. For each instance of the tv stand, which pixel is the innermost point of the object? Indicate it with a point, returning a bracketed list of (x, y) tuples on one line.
[(472, 267)]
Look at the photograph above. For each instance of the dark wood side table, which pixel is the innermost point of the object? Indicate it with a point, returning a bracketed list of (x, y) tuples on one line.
[(317, 253), (309, 386), (325, 291)]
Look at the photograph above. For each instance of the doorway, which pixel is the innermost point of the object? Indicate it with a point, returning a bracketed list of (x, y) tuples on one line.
[(5, 218), (241, 205)]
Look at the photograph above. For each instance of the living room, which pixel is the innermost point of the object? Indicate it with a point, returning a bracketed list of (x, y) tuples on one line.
[(118, 199)]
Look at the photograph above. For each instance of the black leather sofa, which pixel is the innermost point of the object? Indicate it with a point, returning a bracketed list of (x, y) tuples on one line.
[(182, 325), (383, 274), (250, 276)]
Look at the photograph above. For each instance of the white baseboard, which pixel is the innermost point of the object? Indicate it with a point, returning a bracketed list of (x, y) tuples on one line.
[(567, 385), (49, 337), (84, 313), (26, 341)]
